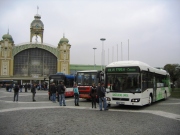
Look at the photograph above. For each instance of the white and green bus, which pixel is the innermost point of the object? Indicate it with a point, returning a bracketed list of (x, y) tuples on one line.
[(135, 83)]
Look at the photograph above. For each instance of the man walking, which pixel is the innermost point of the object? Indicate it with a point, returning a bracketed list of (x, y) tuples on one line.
[(16, 93), (25, 86), (53, 91), (33, 90), (102, 98), (61, 89)]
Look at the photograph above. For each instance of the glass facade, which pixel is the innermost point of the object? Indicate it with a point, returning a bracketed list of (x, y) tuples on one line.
[(35, 62)]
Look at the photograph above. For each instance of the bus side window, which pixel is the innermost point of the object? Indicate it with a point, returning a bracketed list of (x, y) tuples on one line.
[(144, 81), (150, 80)]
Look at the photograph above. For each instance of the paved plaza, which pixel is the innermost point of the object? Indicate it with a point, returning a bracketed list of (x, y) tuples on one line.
[(46, 118)]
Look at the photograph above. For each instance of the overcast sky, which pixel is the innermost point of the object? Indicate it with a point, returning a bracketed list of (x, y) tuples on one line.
[(152, 27)]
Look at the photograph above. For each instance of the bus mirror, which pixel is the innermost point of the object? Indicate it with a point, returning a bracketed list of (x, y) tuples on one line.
[(98, 74)]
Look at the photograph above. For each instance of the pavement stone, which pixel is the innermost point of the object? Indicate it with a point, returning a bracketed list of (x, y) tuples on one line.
[(46, 118)]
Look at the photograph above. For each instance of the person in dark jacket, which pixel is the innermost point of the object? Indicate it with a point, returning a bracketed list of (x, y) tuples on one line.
[(61, 90), (16, 92), (93, 94), (102, 98), (20, 87), (49, 91), (33, 90), (26, 86), (53, 91)]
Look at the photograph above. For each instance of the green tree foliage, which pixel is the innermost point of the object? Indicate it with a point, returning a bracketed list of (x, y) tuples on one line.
[(174, 71)]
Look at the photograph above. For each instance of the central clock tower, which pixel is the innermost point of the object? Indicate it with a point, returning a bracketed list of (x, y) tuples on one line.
[(36, 28)]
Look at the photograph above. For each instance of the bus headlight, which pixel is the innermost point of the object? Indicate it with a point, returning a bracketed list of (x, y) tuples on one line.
[(108, 99), (135, 100)]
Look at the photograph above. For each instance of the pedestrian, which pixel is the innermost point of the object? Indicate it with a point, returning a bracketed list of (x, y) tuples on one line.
[(93, 94), (16, 92), (49, 91), (20, 87), (7, 87), (102, 98), (26, 86), (76, 95), (29, 86), (53, 91), (61, 90), (10, 87), (33, 90)]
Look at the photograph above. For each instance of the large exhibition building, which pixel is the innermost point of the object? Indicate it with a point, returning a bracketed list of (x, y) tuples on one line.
[(31, 61)]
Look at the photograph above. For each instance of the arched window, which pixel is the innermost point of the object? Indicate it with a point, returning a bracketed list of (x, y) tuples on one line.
[(35, 61)]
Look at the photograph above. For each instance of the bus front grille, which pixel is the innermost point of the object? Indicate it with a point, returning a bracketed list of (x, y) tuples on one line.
[(121, 99)]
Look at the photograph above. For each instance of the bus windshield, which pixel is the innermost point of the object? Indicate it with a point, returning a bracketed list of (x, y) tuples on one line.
[(87, 78), (67, 79), (124, 82)]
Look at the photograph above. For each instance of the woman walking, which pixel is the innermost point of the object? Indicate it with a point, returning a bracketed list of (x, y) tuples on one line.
[(76, 95)]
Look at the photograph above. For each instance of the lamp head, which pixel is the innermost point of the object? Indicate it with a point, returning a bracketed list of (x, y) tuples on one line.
[(102, 39)]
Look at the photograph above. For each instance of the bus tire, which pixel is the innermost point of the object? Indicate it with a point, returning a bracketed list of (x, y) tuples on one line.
[(150, 99), (165, 95)]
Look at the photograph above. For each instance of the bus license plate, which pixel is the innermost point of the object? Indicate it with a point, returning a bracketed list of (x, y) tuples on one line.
[(120, 103)]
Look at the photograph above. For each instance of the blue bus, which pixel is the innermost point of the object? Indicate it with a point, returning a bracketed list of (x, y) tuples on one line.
[(68, 82)]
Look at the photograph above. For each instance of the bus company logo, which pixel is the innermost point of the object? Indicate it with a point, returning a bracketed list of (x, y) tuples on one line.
[(116, 69), (111, 69), (129, 69), (120, 95)]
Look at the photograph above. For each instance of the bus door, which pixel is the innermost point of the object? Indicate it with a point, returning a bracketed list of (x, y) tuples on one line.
[(154, 89), (100, 76)]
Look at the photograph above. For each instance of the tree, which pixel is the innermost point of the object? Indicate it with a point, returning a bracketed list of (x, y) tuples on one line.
[(174, 71)]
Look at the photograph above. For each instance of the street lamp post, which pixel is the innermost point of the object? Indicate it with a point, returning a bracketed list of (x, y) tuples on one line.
[(128, 49), (94, 56), (102, 59)]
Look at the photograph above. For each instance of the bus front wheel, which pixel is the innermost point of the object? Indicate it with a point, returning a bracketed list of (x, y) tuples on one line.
[(150, 100)]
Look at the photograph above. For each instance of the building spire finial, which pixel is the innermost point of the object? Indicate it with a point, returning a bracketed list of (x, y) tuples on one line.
[(63, 35), (37, 9)]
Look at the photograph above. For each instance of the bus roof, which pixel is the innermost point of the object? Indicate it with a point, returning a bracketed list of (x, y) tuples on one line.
[(88, 71), (59, 75), (70, 76), (141, 65)]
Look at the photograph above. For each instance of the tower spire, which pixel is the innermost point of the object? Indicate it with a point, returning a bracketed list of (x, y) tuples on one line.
[(37, 9)]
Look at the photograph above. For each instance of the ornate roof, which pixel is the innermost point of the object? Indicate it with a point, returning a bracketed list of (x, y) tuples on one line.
[(36, 21), (7, 36), (63, 40)]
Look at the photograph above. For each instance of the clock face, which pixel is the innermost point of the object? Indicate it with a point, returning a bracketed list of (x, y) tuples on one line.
[(37, 26)]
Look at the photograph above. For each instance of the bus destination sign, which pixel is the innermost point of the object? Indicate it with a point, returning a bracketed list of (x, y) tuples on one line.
[(122, 69)]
